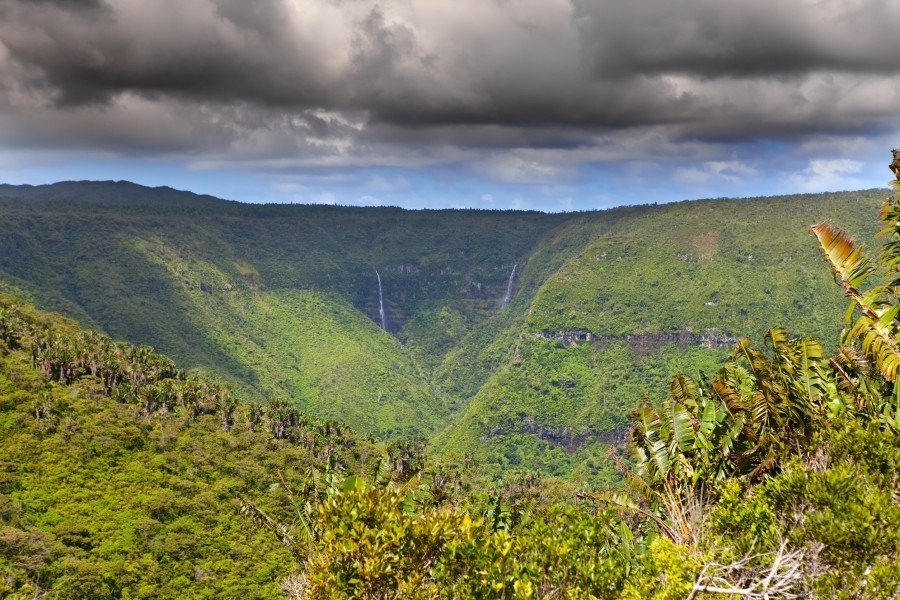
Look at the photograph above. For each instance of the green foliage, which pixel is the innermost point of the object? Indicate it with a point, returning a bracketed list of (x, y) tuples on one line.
[(755, 413), (837, 500), (745, 520), (730, 266), (119, 473), (122, 475), (369, 545), (659, 290), (801, 451), (406, 457), (281, 301), (875, 333), (555, 407), (847, 503), (277, 300)]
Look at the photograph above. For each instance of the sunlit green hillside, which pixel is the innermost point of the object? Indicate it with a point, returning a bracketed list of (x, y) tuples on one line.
[(283, 301), (128, 483), (664, 289)]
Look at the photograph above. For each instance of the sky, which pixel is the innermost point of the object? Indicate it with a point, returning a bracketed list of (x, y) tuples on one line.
[(553, 105)]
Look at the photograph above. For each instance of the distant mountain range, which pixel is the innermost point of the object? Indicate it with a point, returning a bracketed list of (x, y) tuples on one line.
[(283, 301)]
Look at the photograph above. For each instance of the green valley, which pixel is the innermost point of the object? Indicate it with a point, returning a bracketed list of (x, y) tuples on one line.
[(282, 302), (566, 459), (662, 290)]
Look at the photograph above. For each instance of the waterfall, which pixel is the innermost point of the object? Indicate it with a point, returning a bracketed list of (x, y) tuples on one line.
[(509, 286), (380, 302)]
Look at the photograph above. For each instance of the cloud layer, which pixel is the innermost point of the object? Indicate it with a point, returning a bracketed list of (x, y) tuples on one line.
[(530, 91)]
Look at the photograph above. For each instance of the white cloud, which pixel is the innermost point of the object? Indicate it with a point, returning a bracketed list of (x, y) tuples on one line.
[(325, 198), (522, 167), (727, 171), (828, 174), (835, 167)]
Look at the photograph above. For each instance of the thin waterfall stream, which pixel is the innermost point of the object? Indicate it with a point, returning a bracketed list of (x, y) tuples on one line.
[(380, 302), (509, 286)]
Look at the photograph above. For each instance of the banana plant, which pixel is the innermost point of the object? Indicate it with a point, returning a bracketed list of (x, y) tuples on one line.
[(759, 409), (872, 326), (742, 423)]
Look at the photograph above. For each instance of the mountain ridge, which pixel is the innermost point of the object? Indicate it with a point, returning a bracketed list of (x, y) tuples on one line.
[(224, 286)]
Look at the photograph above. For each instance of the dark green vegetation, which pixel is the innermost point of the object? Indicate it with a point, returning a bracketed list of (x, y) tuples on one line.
[(273, 298), (282, 301), (659, 290), (776, 476)]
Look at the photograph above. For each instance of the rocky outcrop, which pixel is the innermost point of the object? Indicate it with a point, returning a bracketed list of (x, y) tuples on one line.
[(569, 337), (567, 438), (644, 343), (570, 438)]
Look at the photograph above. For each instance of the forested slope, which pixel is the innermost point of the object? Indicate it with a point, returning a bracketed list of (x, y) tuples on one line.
[(773, 475), (280, 300), (661, 290), (283, 301), (121, 476)]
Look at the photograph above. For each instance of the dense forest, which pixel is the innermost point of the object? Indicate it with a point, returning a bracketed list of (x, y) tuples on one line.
[(283, 302), (471, 300), (125, 477), (772, 472)]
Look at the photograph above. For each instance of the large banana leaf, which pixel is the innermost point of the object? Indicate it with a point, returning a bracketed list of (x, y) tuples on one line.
[(846, 258), (684, 390), (682, 427)]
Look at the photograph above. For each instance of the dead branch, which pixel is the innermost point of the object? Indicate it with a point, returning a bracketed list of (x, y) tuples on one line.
[(783, 578)]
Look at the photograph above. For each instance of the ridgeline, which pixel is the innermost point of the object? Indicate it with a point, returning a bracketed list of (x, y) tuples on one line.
[(533, 369)]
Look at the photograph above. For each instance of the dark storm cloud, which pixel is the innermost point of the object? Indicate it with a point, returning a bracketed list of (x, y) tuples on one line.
[(70, 4), (711, 38), (224, 51), (264, 18), (349, 80)]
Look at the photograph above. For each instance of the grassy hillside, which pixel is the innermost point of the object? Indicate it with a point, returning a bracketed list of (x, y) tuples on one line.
[(273, 298), (662, 290), (283, 301)]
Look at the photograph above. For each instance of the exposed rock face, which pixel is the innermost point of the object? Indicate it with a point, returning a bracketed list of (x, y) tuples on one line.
[(569, 337), (567, 438), (643, 344), (570, 438), (406, 286), (647, 343)]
